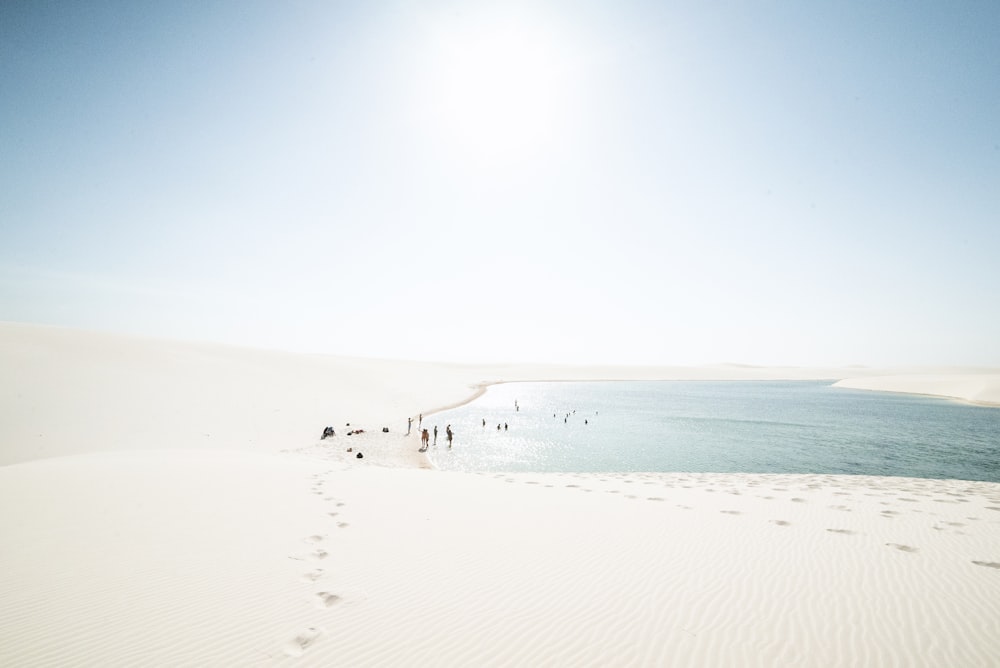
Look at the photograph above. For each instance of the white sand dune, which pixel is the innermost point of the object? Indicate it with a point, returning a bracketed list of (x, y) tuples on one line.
[(171, 504), (979, 388)]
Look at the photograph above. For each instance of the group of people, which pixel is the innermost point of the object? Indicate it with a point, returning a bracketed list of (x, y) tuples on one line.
[(425, 436), (329, 432)]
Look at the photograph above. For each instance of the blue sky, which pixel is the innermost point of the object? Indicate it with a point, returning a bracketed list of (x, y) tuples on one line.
[(621, 182)]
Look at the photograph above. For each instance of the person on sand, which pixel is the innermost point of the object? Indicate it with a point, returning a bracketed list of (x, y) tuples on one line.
[(449, 434), (420, 424), (409, 424), (435, 434), (424, 439)]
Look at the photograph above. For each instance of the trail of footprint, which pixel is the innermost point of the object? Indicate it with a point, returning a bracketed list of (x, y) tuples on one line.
[(987, 564), (300, 643)]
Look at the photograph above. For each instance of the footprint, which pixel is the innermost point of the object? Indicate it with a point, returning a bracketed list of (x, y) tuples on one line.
[(315, 538), (327, 600), (798, 500), (902, 548), (300, 643), (654, 498), (730, 512), (846, 532), (313, 575), (987, 564), (342, 524), (843, 508), (781, 523), (318, 555)]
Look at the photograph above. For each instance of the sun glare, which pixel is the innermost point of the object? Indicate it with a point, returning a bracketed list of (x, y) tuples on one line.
[(498, 92)]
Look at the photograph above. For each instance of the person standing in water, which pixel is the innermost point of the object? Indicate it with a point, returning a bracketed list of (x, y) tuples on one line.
[(448, 432)]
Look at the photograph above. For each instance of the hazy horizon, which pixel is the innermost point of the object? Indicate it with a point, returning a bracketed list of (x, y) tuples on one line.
[(610, 183)]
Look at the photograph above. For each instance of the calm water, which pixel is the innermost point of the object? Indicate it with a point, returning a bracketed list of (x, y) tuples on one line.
[(726, 427)]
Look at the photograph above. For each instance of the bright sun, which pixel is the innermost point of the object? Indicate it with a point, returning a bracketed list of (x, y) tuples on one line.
[(499, 91)]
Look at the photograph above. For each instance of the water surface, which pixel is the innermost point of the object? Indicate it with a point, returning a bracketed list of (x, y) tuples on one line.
[(718, 426)]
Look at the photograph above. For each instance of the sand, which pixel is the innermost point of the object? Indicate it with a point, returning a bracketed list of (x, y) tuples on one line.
[(171, 504), (977, 388)]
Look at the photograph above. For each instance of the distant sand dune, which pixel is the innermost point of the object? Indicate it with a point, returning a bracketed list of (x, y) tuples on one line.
[(980, 388)]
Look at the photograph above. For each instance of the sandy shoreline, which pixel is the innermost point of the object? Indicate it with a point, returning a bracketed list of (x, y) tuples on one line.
[(172, 504), (975, 388)]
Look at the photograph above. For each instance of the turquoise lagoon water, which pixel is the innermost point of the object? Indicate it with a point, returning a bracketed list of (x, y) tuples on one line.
[(725, 427)]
